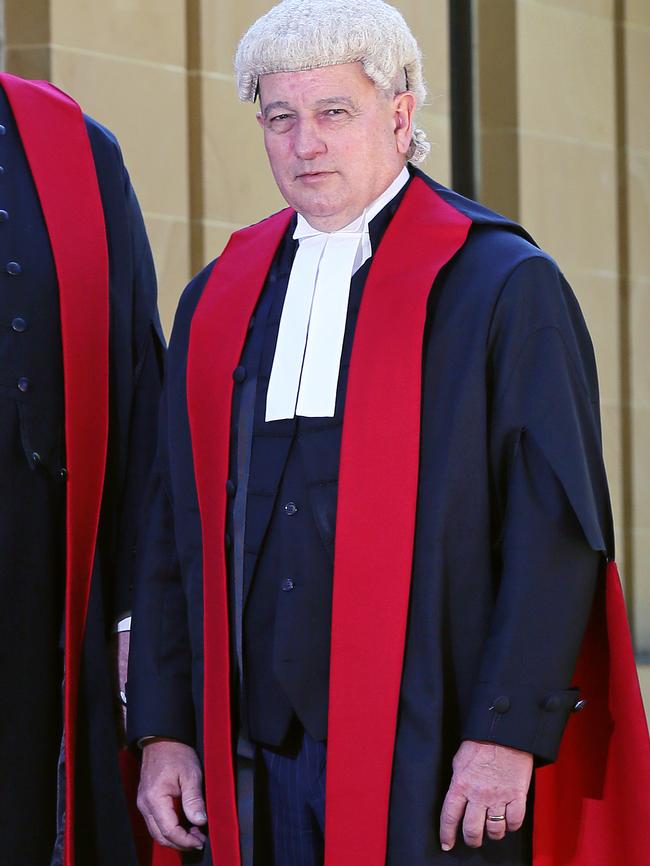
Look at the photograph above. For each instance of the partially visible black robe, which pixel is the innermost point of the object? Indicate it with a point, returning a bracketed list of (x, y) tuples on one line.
[(32, 510)]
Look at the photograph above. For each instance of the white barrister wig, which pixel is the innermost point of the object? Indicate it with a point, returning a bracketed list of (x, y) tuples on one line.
[(297, 35)]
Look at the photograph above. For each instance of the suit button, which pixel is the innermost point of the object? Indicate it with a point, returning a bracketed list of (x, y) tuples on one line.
[(14, 269), (231, 488), (4, 216), (552, 704), (19, 325), (2, 169), (227, 541), (287, 585), (36, 458), (23, 384), (579, 705), (63, 474), (239, 374), (3, 129), (501, 704), (290, 508)]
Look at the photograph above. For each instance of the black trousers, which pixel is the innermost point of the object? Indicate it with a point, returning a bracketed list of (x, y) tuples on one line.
[(291, 785)]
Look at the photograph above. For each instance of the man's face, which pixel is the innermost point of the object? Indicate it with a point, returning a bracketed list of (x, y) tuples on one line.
[(334, 141)]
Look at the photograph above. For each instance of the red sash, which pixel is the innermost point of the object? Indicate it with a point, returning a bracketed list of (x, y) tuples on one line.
[(56, 144), (373, 556)]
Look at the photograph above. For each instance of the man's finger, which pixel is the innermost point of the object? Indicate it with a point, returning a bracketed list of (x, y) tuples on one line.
[(193, 804), (164, 814), (496, 829), (515, 814), (157, 836), (179, 838), (474, 825), (154, 832), (450, 818), (194, 831)]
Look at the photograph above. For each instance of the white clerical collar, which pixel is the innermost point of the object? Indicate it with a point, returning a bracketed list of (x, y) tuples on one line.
[(305, 372), (361, 223)]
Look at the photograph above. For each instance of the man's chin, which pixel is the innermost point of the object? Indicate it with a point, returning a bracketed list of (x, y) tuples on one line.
[(319, 206)]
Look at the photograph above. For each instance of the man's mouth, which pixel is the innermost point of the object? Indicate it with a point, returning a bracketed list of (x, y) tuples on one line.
[(314, 175)]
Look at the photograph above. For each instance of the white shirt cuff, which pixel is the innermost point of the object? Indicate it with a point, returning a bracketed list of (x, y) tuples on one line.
[(123, 624)]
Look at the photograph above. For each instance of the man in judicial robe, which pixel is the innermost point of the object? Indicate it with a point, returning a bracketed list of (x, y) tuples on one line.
[(80, 378), (381, 516)]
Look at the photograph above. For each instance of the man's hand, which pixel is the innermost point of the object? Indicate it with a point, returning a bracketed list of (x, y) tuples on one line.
[(171, 771), (488, 780)]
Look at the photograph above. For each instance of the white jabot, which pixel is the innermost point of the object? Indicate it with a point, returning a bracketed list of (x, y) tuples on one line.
[(305, 371)]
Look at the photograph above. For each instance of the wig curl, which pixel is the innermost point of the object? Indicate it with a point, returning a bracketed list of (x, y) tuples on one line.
[(297, 35)]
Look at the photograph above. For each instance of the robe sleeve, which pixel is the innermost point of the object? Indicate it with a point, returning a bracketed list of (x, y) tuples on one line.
[(159, 684), (552, 520), (148, 347), (159, 688)]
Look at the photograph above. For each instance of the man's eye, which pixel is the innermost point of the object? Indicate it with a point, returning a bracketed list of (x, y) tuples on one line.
[(335, 112), (279, 117)]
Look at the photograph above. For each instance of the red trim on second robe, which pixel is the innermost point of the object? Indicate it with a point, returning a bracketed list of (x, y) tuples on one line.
[(55, 140)]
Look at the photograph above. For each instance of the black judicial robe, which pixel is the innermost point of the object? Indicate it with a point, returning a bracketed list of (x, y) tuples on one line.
[(33, 482), (512, 525)]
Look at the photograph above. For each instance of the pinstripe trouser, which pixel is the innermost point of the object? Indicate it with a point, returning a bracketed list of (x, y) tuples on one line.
[(295, 794)]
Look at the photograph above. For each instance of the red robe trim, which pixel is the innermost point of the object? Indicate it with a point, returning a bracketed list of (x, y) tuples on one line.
[(217, 337), (380, 451), (373, 558), (57, 147)]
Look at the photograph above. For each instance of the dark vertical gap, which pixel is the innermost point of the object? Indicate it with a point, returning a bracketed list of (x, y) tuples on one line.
[(624, 328), (462, 97), (195, 133)]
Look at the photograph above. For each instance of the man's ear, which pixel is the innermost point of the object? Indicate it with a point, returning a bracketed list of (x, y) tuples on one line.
[(260, 119), (404, 108)]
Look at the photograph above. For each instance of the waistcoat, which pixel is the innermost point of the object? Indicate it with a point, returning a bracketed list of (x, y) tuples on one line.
[(289, 533)]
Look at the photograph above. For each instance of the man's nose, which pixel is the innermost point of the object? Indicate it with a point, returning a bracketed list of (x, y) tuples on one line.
[(308, 143)]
